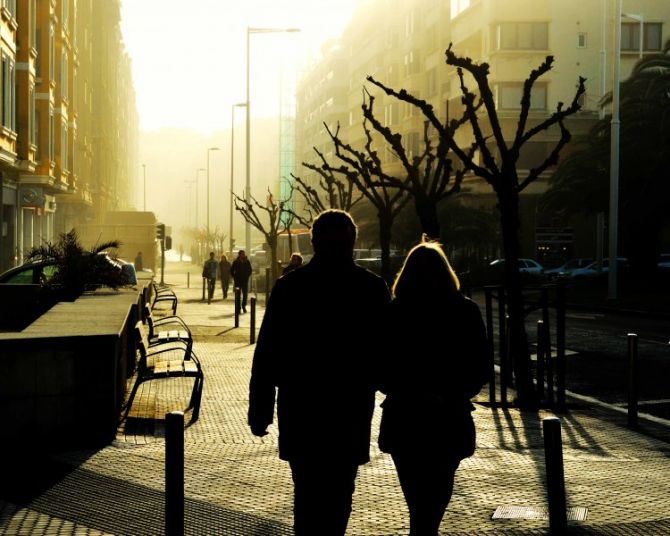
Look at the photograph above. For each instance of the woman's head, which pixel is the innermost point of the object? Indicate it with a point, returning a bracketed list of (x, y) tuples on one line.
[(426, 272)]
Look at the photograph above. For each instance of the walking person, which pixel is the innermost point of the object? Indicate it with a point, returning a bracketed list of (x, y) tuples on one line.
[(209, 272), (224, 274), (436, 362), (138, 262), (324, 386), (241, 272)]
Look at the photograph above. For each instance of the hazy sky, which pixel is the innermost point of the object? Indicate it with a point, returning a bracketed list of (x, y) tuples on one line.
[(189, 58)]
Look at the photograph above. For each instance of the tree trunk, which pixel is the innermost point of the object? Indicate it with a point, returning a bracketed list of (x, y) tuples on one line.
[(385, 225), (274, 268), (426, 210), (518, 341)]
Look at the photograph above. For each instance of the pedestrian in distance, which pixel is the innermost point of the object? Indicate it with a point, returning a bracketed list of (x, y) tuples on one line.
[(435, 362), (241, 272), (224, 274), (294, 262), (210, 272), (324, 386), (139, 264)]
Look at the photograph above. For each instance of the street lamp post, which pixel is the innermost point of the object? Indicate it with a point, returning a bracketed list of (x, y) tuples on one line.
[(615, 128), (247, 195), (197, 176), (232, 169), (144, 169), (209, 151)]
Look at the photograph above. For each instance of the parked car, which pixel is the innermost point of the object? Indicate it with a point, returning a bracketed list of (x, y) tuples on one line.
[(591, 270), (526, 266), (664, 261), (42, 271), (566, 269)]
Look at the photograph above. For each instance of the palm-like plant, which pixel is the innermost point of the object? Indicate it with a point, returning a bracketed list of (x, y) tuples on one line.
[(79, 269)]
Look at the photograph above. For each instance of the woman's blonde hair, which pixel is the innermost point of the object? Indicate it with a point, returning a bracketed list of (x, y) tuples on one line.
[(426, 271)]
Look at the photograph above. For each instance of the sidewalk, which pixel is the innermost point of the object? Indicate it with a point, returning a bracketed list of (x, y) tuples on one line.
[(236, 486)]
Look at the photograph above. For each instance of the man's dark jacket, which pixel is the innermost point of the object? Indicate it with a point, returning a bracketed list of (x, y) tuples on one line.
[(241, 271), (316, 346)]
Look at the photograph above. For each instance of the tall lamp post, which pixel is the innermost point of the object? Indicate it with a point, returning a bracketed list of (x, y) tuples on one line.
[(197, 176), (209, 151), (247, 195), (615, 128), (232, 170), (144, 169)]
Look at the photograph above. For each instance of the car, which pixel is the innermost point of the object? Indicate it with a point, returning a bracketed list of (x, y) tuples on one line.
[(664, 261), (591, 270), (41, 271), (526, 266), (565, 269)]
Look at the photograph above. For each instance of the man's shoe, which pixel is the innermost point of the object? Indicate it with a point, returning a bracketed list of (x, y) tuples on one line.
[(244, 309)]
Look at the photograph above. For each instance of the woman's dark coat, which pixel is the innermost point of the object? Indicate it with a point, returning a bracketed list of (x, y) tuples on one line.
[(317, 345), (436, 362)]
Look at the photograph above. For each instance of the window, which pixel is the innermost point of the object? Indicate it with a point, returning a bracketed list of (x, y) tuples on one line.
[(63, 147), (64, 75), (412, 147), (33, 23), (10, 5), (411, 63), (409, 23), (521, 36), (52, 54), (630, 36), (51, 135), (8, 94), (581, 40), (32, 123), (391, 114), (431, 82), (38, 45), (458, 6), (509, 96)]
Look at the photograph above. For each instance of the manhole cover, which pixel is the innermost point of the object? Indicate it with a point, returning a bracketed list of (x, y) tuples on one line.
[(577, 513)]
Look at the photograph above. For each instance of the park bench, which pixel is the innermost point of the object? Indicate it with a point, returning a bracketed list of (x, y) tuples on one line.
[(162, 294), (176, 331), (170, 360)]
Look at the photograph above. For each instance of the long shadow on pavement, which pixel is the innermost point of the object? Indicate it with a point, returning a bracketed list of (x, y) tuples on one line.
[(116, 506)]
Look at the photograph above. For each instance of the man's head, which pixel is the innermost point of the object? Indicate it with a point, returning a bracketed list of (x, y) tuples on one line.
[(211, 254), (242, 255), (223, 257), (296, 259), (334, 234)]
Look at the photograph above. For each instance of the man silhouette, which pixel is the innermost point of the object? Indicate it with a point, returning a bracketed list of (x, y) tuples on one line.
[(209, 272), (325, 395), (241, 270)]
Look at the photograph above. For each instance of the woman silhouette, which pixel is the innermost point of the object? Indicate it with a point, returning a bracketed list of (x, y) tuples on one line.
[(436, 362)]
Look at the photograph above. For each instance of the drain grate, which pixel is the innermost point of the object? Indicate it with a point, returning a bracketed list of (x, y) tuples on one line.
[(577, 513)]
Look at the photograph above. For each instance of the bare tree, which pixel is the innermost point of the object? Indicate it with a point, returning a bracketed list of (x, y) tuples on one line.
[(502, 175), (271, 225), (427, 175), (362, 168)]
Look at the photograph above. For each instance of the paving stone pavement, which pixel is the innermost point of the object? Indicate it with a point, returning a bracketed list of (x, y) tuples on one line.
[(235, 484)]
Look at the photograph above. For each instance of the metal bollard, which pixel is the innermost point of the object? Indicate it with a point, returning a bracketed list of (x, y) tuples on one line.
[(203, 289), (553, 456), (560, 348), (549, 365), (252, 321), (237, 306), (632, 380), (489, 340), (267, 285), (540, 359), (502, 346), (174, 474), (188, 279)]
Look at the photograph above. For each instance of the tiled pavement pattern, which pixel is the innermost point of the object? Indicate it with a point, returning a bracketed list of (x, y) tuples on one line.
[(235, 485)]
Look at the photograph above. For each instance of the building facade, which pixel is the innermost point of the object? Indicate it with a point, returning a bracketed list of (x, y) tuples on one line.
[(69, 123), (403, 43)]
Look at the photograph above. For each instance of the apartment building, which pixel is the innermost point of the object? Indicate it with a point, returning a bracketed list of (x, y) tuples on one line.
[(69, 124), (402, 44)]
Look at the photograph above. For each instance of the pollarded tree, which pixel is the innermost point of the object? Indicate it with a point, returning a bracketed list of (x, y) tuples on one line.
[(427, 176), (581, 183), (333, 191), (502, 175), (360, 167), (271, 225)]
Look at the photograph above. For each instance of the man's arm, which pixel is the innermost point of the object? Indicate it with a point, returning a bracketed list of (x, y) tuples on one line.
[(263, 370)]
